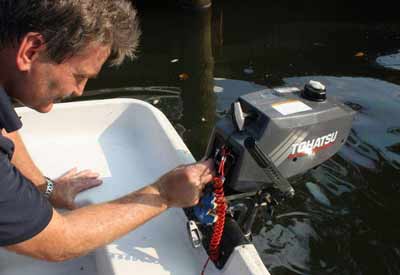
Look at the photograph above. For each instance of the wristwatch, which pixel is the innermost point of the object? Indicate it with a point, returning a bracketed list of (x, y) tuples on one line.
[(49, 187)]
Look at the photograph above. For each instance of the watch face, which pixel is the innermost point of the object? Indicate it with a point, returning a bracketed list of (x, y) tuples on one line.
[(49, 188)]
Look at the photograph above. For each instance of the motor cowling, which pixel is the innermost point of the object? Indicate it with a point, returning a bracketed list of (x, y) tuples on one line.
[(294, 129), (267, 137)]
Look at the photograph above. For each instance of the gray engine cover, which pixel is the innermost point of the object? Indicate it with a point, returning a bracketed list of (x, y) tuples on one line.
[(296, 133)]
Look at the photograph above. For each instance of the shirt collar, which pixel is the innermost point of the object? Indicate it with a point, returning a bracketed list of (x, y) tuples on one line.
[(9, 119)]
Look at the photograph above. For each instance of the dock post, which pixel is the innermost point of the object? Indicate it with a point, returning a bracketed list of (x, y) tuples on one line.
[(199, 101)]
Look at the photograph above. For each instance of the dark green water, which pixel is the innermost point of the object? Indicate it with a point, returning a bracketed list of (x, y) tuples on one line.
[(345, 216)]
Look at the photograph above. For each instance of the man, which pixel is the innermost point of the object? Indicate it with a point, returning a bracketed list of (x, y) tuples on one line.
[(48, 51)]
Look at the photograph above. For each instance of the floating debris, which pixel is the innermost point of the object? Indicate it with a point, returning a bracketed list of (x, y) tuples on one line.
[(248, 70), (218, 89), (319, 44), (156, 101), (359, 54), (183, 76), (174, 60), (203, 119)]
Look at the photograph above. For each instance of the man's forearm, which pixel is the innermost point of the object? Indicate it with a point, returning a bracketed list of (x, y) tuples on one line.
[(82, 230), (23, 161), (101, 224)]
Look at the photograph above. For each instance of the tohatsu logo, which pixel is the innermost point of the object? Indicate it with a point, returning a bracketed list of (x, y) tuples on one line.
[(310, 147)]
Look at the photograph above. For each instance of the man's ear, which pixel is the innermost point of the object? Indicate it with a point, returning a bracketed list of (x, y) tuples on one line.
[(30, 47)]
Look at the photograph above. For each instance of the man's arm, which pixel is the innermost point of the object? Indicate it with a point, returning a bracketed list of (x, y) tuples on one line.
[(66, 186), (82, 230)]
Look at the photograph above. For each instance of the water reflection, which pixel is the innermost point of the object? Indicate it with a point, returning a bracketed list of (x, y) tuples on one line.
[(391, 61), (358, 225), (287, 244), (167, 98)]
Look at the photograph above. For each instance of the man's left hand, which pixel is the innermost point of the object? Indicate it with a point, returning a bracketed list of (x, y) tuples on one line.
[(70, 184)]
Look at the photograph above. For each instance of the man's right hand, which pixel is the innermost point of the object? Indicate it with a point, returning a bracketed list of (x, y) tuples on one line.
[(182, 187), (77, 232)]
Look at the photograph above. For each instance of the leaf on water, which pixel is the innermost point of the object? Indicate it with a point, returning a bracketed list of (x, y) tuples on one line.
[(183, 76), (359, 54)]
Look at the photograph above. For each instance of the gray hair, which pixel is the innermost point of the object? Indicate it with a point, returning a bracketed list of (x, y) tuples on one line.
[(69, 25)]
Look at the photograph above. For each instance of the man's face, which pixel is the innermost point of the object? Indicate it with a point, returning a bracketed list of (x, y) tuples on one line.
[(48, 82)]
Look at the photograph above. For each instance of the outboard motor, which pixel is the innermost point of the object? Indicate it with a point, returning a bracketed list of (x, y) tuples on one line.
[(267, 137)]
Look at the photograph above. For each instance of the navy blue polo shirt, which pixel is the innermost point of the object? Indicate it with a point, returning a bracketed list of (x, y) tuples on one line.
[(24, 211)]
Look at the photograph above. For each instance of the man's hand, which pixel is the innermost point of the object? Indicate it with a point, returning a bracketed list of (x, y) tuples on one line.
[(77, 232), (183, 186), (70, 184)]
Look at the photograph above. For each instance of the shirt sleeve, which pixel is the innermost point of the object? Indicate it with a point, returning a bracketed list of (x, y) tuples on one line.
[(24, 211)]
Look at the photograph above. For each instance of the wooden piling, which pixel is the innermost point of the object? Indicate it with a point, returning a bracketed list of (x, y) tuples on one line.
[(199, 101)]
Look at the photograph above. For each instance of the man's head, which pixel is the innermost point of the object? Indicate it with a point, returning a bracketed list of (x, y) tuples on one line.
[(50, 48)]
